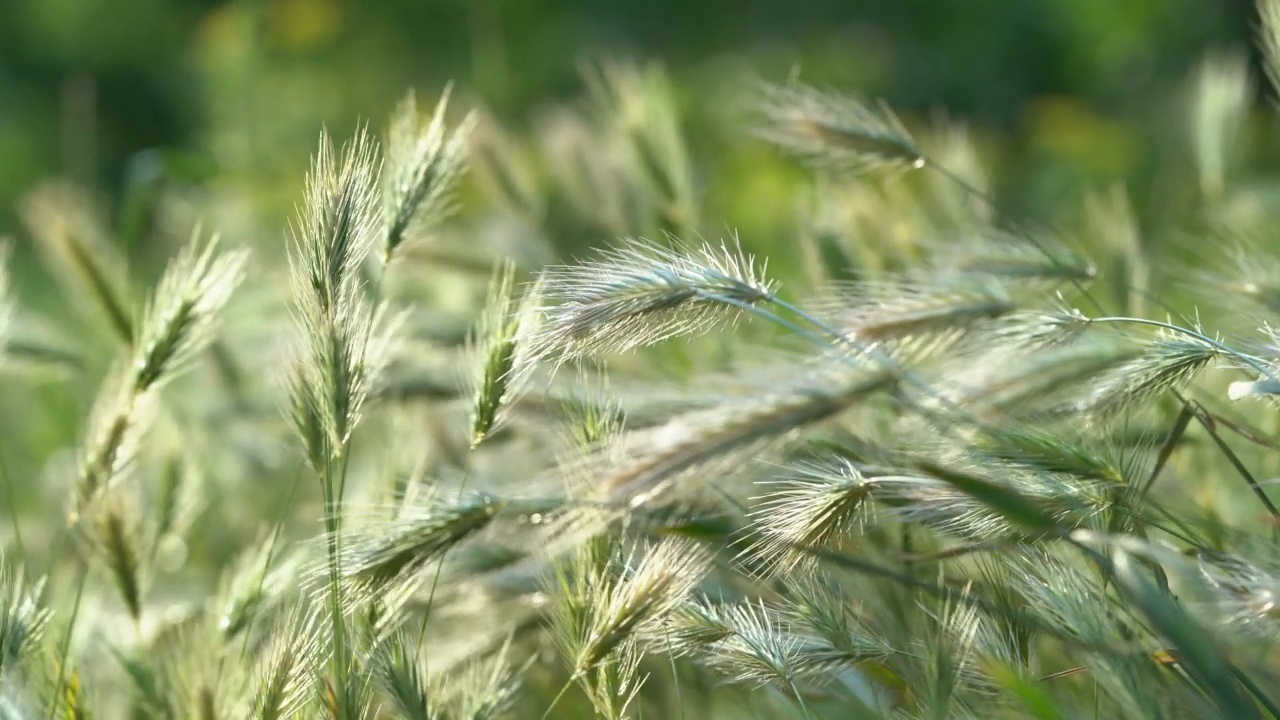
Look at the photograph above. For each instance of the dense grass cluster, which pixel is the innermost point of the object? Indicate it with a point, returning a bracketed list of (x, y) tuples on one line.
[(929, 463)]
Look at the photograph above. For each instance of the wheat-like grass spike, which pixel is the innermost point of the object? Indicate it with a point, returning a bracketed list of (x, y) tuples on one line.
[(835, 131), (640, 293), (424, 163)]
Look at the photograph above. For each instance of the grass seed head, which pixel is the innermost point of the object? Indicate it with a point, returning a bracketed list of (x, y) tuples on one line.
[(336, 225), (1167, 363), (287, 671), (252, 589), (603, 607), (921, 317), (1028, 259), (505, 358), (761, 647), (400, 673), (835, 131), (404, 546), (116, 425), (119, 543), (641, 294), (425, 160), (180, 320), (483, 688), (182, 317), (818, 506), (73, 239), (23, 618)]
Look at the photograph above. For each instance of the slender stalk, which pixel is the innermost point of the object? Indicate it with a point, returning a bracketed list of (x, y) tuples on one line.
[(1202, 418), (65, 647), (556, 700), (1166, 449), (435, 578), (1257, 692), (11, 500), (675, 675), (1238, 428), (271, 549), (799, 699), (333, 526), (1253, 362), (884, 361)]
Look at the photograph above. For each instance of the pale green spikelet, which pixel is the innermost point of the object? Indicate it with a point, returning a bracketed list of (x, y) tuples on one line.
[(816, 506), (401, 675), (23, 617), (180, 321), (286, 673), (183, 314), (640, 294), (71, 235), (835, 131), (1167, 363), (601, 607), (118, 535), (425, 159), (504, 352)]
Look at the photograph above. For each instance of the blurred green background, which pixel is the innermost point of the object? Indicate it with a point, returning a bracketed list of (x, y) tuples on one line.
[(129, 95), (173, 111)]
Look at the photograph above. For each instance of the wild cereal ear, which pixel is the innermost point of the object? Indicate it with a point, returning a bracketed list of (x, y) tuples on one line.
[(73, 238), (345, 339), (818, 506), (835, 131), (337, 224), (641, 293), (24, 618), (180, 320), (425, 160), (385, 561), (334, 232), (502, 350), (287, 669), (604, 604)]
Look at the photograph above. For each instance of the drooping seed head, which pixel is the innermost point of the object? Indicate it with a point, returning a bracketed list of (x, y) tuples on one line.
[(640, 293), (835, 131), (818, 506)]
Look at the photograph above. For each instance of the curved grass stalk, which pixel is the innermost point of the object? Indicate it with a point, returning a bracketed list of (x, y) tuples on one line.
[(1250, 360)]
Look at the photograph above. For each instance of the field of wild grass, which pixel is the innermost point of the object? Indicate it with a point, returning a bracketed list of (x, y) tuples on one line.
[(510, 424)]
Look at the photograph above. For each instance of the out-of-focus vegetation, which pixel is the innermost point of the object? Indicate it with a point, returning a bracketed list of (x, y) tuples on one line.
[(135, 93), (635, 364)]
